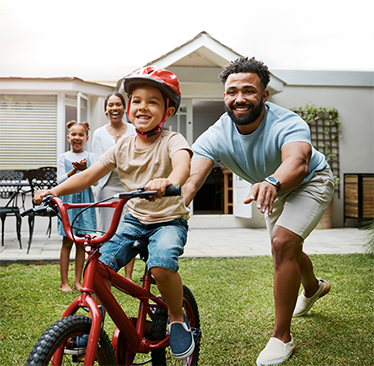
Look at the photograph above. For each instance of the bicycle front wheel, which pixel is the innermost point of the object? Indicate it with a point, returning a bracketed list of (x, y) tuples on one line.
[(163, 356), (70, 332)]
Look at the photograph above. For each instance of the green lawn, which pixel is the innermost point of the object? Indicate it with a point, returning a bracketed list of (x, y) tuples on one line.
[(236, 309)]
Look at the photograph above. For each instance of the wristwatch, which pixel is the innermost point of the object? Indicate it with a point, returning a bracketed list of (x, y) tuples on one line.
[(274, 181)]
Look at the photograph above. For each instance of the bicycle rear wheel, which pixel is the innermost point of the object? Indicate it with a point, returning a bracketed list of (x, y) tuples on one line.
[(65, 332), (163, 356)]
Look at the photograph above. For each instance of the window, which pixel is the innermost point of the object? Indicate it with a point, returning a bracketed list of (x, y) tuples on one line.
[(178, 122), (28, 131)]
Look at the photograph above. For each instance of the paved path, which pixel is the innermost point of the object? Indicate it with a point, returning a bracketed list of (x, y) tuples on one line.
[(201, 243)]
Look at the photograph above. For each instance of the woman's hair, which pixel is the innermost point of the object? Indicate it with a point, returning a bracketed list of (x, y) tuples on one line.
[(120, 96), (72, 123)]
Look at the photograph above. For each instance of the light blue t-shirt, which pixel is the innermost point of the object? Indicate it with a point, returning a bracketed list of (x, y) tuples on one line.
[(258, 155)]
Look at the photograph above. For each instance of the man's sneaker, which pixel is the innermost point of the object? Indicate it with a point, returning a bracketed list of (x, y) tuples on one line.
[(276, 352), (182, 343), (304, 304)]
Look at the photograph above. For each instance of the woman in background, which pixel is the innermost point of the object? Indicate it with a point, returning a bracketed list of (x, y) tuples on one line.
[(103, 139)]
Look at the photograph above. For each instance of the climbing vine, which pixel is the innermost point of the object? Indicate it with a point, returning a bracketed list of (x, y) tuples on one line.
[(325, 130)]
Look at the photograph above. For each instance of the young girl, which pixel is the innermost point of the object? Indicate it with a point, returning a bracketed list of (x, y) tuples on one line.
[(69, 164)]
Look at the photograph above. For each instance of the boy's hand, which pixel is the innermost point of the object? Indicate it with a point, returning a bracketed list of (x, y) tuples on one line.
[(39, 195), (158, 185)]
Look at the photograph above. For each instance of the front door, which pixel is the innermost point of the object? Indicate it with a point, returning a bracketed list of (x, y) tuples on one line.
[(182, 121), (241, 189)]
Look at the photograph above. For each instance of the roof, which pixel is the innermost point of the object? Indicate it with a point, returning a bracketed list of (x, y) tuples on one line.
[(201, 56)]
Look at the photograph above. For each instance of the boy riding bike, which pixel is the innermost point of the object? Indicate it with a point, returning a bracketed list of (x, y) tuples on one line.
[(155, 159)]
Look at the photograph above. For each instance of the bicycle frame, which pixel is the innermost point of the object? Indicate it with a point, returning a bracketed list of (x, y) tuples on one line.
[(96, 273)]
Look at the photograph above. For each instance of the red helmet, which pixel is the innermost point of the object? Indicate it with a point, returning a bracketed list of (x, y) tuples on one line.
[(162, 79)]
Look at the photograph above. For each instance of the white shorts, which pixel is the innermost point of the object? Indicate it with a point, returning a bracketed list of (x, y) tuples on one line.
[(301, 210)]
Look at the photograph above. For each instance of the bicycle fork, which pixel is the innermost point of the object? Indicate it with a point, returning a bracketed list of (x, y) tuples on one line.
[(86, 300)]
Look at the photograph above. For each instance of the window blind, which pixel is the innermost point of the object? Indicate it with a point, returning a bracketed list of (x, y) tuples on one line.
[(28, 131)]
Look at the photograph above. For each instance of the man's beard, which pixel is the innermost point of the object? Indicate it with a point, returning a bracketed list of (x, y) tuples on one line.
[(248, 119)]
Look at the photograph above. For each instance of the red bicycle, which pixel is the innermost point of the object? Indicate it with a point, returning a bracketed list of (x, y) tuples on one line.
[(78, 339)]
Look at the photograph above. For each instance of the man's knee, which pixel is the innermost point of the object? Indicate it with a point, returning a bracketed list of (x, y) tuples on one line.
[(285, 246)]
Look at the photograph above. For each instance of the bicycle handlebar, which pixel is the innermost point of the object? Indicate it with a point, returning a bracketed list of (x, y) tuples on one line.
[(142, 193), (47, 208), (50, 204)]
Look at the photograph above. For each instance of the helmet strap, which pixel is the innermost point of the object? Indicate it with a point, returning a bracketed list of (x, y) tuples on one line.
[(154, 131)]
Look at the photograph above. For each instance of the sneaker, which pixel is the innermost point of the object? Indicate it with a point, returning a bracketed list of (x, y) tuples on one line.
[(78, 346), (182, 343), (82, 341), (276, 352), (304, 304)]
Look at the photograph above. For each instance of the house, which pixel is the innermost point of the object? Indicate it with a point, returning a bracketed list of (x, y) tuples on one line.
[(197, 63)]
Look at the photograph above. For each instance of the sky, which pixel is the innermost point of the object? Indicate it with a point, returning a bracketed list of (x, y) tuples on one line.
[(105, 39)]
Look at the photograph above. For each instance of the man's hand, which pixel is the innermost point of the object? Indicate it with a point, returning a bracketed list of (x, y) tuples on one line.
[(265, 194)]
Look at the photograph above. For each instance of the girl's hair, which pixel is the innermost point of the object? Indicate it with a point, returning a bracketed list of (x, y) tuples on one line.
[(120, 96), (72, 123)]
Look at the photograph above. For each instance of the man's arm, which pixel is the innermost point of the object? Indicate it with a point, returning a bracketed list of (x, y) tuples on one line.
[(292, 171), (200, 169)]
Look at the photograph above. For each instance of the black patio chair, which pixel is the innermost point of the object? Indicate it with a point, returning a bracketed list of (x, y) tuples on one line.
[(41, 178), (10, 186)]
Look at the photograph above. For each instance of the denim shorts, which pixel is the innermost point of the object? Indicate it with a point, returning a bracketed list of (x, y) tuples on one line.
[(166, 243), (300, 210)]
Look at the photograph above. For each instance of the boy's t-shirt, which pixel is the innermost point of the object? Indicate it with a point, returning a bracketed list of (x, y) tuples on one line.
[(136, 167)]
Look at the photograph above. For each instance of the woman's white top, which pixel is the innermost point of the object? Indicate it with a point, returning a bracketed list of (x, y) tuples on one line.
[(102, 141)]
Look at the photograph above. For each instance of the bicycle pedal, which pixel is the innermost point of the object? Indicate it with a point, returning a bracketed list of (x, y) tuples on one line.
[(75, 351), (77, 359)]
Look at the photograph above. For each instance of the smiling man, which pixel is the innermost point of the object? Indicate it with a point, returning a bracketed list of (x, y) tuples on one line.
[(270, 147)]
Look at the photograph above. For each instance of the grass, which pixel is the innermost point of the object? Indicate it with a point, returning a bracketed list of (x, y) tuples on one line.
[(369, 245), (236, 310)]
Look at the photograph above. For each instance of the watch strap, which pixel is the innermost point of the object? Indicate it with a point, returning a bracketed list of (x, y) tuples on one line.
[(273, 181)]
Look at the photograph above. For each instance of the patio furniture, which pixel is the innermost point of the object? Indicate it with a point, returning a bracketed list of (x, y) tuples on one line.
[(10, 186), (40, 178)]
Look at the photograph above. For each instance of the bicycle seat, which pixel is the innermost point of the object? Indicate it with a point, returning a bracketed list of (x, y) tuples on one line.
[(141, 246)]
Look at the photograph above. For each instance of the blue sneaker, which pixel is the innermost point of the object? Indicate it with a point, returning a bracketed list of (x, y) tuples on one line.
[(82, 342), (182, 343)]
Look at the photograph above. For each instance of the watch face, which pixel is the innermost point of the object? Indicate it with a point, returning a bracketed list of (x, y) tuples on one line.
[(273, 180)]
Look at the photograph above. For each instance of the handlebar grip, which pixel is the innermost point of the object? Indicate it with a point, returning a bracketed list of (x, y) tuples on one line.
[(173, 191), (46, 208), (27, 212)]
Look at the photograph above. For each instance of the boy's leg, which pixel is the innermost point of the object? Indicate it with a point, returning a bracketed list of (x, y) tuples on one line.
[(117, 252), (80, 257), (166, 243), (170, 285), (64, 263)]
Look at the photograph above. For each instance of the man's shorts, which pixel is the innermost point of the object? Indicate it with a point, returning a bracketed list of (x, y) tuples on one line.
[(166, 243), (301, 210)]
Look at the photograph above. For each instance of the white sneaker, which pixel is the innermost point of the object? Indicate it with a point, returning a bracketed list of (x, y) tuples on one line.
[(276, 352), (304, 304)]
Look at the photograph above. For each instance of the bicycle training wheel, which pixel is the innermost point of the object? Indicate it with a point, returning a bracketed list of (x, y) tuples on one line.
[(163, 356), (65, 332)]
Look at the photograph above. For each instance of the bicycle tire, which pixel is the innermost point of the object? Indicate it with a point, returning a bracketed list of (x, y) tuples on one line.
[(163, 357), (65, 331)]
